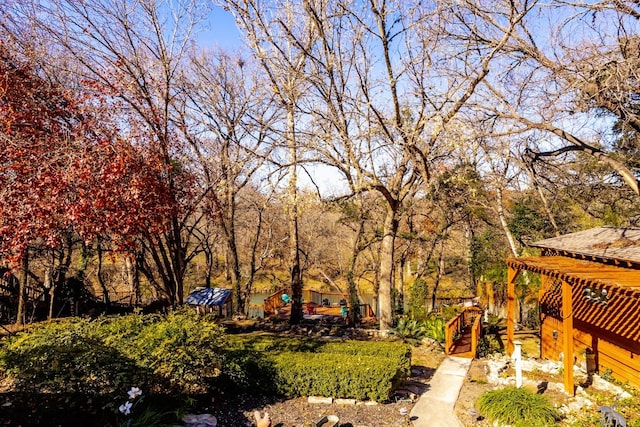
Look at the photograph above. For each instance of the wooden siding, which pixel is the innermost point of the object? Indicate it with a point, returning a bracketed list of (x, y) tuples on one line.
[(597, 303), (610, 331)]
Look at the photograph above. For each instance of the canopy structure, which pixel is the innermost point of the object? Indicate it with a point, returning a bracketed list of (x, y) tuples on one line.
[(210, 298), (590, 297)]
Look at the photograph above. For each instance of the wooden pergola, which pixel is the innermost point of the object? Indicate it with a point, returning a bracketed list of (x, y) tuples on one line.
[(619, 285)]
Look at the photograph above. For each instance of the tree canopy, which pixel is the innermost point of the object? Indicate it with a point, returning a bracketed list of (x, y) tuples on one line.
[(457, 131)]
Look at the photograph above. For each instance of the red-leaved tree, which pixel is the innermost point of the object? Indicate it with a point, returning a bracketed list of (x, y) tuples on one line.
[(65, 169)]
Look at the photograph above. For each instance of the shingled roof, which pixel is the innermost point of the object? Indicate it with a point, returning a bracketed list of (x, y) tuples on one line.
[(615, 244)]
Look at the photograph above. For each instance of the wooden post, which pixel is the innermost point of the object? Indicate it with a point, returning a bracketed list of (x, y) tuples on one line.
[(511, 307), (567, 337)]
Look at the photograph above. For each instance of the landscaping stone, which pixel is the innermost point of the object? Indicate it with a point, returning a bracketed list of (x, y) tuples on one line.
[(201, 420), (599, 383), (319, 399)]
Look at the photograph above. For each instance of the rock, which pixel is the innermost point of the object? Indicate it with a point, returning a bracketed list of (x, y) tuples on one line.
[(319, 399), (201, 420), (345, 401), (575, 405), (604, 385)]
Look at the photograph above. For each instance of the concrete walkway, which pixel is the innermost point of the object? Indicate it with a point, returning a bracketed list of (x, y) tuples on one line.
[(435, 407)]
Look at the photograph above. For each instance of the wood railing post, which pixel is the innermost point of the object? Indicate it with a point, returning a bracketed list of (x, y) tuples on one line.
[(567, 337)]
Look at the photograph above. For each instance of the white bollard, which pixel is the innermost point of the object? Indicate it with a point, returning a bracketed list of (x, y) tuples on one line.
[(517, 356)]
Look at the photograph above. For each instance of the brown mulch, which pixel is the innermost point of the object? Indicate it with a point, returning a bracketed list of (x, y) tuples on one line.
[(300, 413)]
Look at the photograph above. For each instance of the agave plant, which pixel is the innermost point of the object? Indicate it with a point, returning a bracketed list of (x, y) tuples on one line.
[(410, 330)]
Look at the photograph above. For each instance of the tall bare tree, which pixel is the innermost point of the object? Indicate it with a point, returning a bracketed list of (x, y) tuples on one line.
[(234, 109), (279, 37), (574, 63), (385, 79)]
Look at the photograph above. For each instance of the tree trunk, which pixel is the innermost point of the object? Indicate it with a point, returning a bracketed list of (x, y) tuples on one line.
[(178, 261), (294, 241), (48, 283), (236, 276), (354, 300), (545, 203), (469, 235), (503, 223), (103, 285), (386, 270), (253, 264), (512, 242), (399, 303), (439, 274), (133, 278), (24, 279)]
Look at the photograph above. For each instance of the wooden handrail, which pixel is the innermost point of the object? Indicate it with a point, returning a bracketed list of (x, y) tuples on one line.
[(470, 315), (454, 326)]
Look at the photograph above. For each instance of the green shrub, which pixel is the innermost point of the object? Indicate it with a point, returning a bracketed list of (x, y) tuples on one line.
[(401, 354), (62, 357), (247, 371), (305, 367), (518, 407), (488, 345), (336, 375), (269, 342), (110, 354), (435, 328), (450, 311), (183, 347), (418, 296)]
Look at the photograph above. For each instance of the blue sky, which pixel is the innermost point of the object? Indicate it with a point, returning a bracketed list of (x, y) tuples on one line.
[(220, 31)]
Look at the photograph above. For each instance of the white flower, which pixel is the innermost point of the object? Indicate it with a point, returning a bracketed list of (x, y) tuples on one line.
[(125, 408), (134, 392)]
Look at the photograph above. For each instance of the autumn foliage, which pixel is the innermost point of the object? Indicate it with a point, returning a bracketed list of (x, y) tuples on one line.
[(65, 170)]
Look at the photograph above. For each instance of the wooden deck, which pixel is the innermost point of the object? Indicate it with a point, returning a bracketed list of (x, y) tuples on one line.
[(314, 305), (284, 311)]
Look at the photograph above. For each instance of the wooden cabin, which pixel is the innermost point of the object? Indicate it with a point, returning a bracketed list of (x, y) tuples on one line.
[(589, 301), (211, 300)]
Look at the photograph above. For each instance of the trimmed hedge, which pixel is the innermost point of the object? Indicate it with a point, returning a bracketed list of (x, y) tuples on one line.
[(292, 367), (182, 352), (335, 375), (399, 353)]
